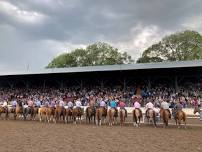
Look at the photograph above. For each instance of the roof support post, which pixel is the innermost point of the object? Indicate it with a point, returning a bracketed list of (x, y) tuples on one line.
[(11, 85), (81, 84), (61, 84), (102, 84), (176, 84), (124, 84), (44, 84), (149, 82)]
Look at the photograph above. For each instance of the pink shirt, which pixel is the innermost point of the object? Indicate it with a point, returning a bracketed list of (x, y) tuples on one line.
[(122, 104), (30, 103), (137, 105)]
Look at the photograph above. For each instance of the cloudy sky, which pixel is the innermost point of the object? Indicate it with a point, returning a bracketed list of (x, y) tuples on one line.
[(32, 32)]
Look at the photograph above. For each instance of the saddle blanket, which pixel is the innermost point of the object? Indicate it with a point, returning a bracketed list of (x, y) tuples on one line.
[(66, 107), (25, 106)]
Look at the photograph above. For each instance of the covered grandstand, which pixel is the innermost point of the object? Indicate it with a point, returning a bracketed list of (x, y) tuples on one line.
[(171, 73)]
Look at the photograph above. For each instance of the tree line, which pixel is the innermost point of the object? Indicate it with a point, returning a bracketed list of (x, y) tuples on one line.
[(180, 46)]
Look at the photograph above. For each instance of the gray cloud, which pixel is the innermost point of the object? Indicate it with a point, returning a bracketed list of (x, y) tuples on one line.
[(34, 31)]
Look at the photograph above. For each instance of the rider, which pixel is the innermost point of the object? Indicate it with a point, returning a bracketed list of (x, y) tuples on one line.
[(78, 104), (5, 105), (122, 106), (37, 103), (30, 104), (53, 104), (177, 107), (136, 104), (149, 106), (113, 105), (14, 103), (165, 105), (70, 104)]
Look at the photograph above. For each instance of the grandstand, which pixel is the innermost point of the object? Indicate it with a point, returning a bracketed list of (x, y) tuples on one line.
[(170, 73)]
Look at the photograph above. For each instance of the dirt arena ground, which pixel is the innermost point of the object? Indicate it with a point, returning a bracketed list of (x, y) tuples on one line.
[(30, 136)]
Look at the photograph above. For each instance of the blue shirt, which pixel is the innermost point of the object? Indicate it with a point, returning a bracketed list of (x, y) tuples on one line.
[(38, 103), (113, 104), (14, 103)]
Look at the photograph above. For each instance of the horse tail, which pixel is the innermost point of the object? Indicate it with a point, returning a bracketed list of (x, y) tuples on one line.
[(184, 116), (154, 117), (121, 115)]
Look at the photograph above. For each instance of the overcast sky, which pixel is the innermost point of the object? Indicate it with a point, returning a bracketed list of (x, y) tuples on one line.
[(32, 32)]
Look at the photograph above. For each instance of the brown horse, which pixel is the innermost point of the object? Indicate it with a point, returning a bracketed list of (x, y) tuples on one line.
[(34, 112), (112, 116), (42, 111), (165, 115), (59, 111), (18, 111), (180, 116), (137, 115), (50, 114), (151, 117), (77, 113), (122, 114), (68, 114), (90, 113), (4, 110), (101, 114)]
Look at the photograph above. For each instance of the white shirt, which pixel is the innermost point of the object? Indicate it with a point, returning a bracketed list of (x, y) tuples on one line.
[(164, 105), (149, 105), (78, 103), (61, 103), (5, 104), (70, 104)]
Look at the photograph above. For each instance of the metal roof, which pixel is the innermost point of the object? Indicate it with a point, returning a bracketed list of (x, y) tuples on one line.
[(158, 65)]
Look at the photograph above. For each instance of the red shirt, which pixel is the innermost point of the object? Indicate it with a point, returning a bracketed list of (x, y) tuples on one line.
[(122, 104)]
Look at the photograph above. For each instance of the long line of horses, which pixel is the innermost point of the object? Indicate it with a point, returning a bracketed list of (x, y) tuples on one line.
[(93, 115)]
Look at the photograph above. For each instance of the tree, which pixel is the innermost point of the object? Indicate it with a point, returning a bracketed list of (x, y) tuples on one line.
[(95, 54), (180, 46)]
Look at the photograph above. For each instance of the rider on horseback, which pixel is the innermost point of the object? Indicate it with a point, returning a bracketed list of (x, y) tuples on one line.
[(177, 107), (70, 104), (122, 106), (5, 105), (14, 103), (149, 106), (78, 104), (113, 105), (165, 105)]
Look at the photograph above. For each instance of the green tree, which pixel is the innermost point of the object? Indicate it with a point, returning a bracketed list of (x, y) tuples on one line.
[(95, 54), (186, 45)]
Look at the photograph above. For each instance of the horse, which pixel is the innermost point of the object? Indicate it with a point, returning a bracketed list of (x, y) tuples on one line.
[(112, 116), (34, 112), (165, 115), (101, 114), (50, 113), (180, 116), (151, 117), (90, 112), (137, 115), (18, 111), (42, 111), (4, 110), (197, 109), (30, 110), (77, 112), (59, 111), (122, 114), (68, 113)]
